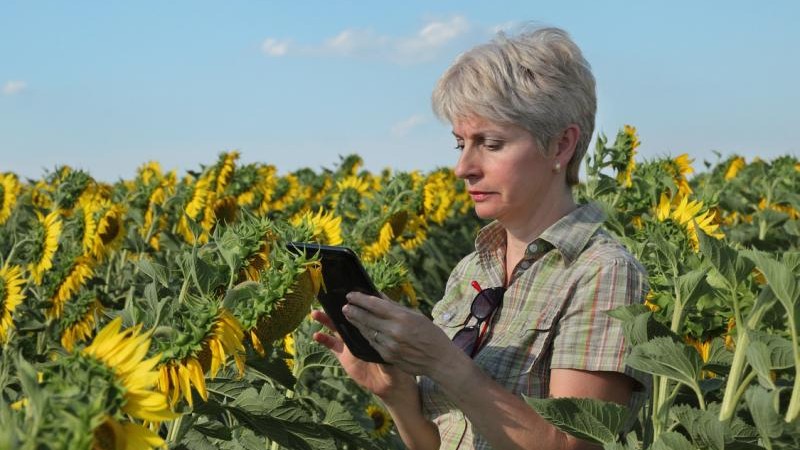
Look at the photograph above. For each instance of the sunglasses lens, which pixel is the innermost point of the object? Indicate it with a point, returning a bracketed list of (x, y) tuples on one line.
[(486, 302), (465, 339)]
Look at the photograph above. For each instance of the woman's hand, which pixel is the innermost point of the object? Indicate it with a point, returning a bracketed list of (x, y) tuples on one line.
[(387, 382), (403, 337)]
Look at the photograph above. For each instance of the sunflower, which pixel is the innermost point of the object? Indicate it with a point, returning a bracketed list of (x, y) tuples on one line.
[(11, 285), (107, 228), (227, 164), (201, 196), (734, 167), (113, 435), (177, 377), (123, 352), (648, 301), (415, 233), (288, 311), (632, 140), (9, 190), (287, 190), (48, 233), (438, 197), (381, 420), (688, 213), (704, 349), (381, 246), (149, 171), (679, 167), (80, 272), (352, 186), (326, 227), (79, 321)]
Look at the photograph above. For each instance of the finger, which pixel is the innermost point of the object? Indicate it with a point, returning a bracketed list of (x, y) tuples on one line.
[(332, 343), (364, 320), (324, 319), (378, 306)]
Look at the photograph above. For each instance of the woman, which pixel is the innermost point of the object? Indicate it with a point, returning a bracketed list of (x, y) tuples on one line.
[(526, 312)]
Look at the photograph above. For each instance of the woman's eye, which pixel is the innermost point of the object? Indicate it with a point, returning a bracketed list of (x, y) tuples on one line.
[(459, 145), (493, 145)]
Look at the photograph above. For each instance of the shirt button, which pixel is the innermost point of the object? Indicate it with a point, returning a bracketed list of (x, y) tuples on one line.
[(525, 264), (533, 248), (447, 316)]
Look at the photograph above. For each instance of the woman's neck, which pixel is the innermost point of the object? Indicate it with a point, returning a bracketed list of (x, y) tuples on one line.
[(529, 227)]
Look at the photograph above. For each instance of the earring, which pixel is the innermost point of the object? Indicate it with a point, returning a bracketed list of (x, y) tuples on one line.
[(557, 167)]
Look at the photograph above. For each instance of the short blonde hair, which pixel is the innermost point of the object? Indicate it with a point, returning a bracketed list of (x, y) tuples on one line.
[(538, 80)]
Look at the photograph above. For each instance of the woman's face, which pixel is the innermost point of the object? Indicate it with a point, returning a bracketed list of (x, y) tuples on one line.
[(504, 170)]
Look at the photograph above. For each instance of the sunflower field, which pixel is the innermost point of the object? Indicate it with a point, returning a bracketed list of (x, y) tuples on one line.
[(166, 311)]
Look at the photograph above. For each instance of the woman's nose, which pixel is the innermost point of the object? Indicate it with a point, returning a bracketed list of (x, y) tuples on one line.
[(466, 166)]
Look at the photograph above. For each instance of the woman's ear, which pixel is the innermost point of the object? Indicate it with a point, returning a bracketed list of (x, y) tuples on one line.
[(563, 145)]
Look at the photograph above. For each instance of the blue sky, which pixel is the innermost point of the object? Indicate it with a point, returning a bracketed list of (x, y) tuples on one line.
[(107, 86)]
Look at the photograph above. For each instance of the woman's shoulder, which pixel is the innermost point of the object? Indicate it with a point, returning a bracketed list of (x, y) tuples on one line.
[(603, 250)]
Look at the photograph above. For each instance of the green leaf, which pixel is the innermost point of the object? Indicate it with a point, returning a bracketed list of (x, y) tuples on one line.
[(779, 277), (628, 312), (672, 441), (286, 422), (704, 428), (768, 422), (725, 260), (195, 439), (664, 357), (590, 419), (274, 368), (155, 271), (341, 425), (214, 429), (758, 356), (691, 286)]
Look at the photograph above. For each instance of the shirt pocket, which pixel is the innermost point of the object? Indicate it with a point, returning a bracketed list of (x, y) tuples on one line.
[(520, 348)]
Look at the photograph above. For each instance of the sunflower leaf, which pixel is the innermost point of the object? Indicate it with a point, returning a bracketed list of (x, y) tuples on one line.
[(593, 420), (341, 425), (663, 356)]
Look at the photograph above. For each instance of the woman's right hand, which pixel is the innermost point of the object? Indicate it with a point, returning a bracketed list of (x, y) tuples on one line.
[(387, 382)]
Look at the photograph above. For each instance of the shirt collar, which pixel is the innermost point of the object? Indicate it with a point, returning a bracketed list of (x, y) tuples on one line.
[(569, 235)]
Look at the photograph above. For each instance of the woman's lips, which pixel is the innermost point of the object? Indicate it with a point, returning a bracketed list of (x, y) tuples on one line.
[(479, 196)]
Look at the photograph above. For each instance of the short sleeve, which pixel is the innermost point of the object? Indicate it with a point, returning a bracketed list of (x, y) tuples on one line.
[(587, 338)]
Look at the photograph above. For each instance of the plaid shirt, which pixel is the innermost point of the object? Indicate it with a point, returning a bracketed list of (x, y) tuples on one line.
[(553, 313)]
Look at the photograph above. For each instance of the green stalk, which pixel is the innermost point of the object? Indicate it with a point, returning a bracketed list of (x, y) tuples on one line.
[(745, 384), (730, 399), (654, 413), (173, 429), (184, 289), (794, 402)]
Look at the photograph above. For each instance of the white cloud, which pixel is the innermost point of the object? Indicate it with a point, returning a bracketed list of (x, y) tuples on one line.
[(423, 45), (14, 87), (405, 126), (275, 47)]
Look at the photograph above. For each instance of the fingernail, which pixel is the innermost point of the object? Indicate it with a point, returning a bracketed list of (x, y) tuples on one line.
[(346, 309)]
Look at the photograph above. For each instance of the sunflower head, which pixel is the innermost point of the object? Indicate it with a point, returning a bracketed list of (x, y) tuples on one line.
[(46, 234), (9, 190), (11, 287), (381, 420)]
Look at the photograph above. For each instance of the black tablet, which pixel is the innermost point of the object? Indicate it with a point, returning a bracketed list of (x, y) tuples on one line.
[(342, 273)]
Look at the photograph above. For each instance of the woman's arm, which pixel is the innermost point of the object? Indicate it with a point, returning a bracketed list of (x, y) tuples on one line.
[(397, 389), (508, 422), (415, 345)]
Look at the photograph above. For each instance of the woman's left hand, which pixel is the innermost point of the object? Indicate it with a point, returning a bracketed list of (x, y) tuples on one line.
[(402, 336)]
